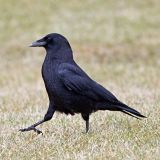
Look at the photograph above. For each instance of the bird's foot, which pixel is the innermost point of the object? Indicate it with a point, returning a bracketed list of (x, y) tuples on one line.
[(30, 129)]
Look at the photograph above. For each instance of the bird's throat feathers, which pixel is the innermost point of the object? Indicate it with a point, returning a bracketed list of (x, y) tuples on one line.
[(59, 51)]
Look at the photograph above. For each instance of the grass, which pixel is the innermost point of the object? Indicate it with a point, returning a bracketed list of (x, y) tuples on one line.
[(116, 43)]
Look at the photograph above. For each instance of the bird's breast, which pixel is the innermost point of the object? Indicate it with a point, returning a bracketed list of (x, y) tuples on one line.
[(50, 77)]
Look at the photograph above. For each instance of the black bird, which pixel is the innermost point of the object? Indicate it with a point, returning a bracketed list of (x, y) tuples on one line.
[(70, 89)]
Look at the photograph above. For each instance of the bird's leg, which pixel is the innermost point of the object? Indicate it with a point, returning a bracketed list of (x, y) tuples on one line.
[(87, 125), (86, 118), (47, 117)]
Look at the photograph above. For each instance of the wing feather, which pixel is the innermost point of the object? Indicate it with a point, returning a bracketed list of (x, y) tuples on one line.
[(76, 80)]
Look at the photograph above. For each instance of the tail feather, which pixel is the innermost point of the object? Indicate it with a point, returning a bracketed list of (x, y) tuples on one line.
[(130, 111), (119, 106), (130, 114)]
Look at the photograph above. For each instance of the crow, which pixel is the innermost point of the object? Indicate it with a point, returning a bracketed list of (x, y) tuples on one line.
[(70, 90)]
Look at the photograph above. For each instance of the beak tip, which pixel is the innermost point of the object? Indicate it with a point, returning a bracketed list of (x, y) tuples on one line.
[(34, 44), (37, 44)]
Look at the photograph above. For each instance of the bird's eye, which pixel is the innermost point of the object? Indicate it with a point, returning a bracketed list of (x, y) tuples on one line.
[(48, 39)]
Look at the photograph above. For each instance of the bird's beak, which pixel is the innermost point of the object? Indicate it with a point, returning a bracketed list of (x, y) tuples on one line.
[(38, 44)]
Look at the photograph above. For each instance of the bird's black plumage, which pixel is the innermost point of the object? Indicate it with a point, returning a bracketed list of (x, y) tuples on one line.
[(70, 89)]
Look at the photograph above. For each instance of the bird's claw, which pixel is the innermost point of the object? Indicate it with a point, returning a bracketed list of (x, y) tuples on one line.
[(30, 129)]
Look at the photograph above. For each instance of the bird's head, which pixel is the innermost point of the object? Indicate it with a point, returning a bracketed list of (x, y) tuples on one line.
[(56, 46), (51, 40)]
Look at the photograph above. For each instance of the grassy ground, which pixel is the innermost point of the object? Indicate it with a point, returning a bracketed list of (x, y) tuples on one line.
[(117, 43)]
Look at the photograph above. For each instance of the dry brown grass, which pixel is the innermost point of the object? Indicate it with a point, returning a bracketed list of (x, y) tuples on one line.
[(117, 43)]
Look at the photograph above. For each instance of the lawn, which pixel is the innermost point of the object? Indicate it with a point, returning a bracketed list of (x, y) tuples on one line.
[(117, 43)]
